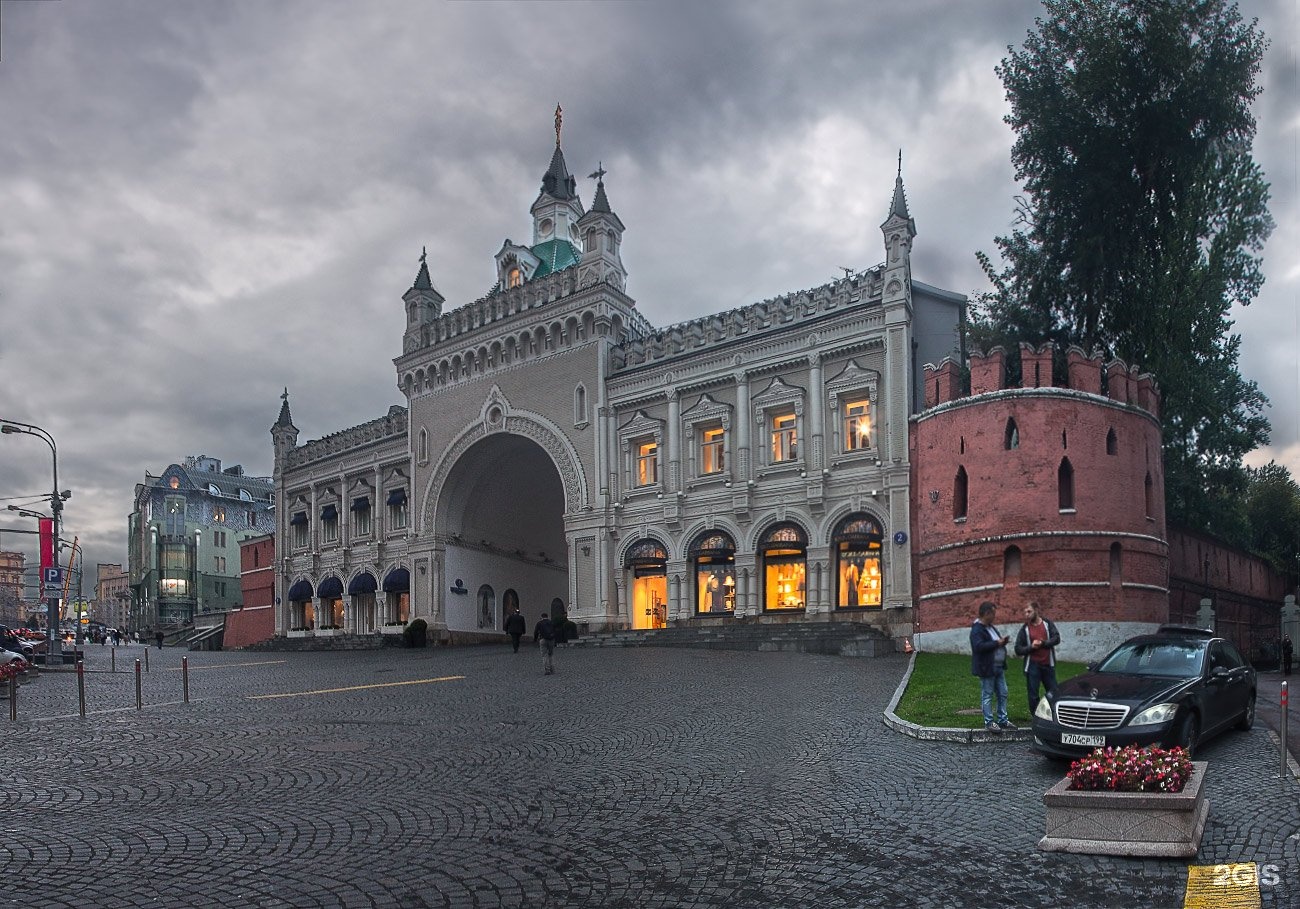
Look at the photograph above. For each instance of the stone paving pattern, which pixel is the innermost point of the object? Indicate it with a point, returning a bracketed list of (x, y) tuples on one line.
[(631, 778)]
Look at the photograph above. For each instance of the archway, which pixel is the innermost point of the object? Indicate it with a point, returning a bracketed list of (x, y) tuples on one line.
[(500, 516)]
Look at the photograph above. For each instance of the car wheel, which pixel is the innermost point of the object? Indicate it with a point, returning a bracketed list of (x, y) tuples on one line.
[(1248, 718), (1188, 732)]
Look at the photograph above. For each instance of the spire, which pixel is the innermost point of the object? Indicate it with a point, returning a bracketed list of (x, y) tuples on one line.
[(284, 419), (422, 279), (557, 181), (600, 203), (899, 205)]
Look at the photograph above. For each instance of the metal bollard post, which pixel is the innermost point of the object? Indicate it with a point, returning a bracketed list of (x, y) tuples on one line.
[(13, 698), (1286, 686), (114, 656), (185, 677), (137, 684), (81, 688)]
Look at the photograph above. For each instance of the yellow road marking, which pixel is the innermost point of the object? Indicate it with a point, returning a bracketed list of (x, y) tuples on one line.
[(301, 694), (227, 665), (1233, 886)]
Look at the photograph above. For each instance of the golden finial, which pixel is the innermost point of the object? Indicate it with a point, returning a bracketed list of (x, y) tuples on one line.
[(559, 122)]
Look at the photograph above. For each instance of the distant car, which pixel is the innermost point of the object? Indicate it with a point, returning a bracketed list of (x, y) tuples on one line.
[(1179, 686), (13, 642), (8, 656)]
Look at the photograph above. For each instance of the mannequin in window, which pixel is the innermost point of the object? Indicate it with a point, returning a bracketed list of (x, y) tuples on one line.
[(851, 575), (717, 594)]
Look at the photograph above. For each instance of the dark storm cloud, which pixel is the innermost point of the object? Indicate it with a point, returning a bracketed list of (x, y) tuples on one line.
[(201, 203)]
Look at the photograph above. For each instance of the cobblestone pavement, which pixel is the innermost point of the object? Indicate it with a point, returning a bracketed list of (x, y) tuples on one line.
[(631, 778)]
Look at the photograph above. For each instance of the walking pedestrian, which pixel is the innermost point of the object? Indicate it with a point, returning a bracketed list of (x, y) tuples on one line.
[(158, 636), (1286, 654), (515, 627), (1037, 642), (988, 660), (544, 635)]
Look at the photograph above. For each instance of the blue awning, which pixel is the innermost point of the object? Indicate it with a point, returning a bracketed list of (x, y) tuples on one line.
[(329, 513), (330, 588), (300, 592), (398, 581), (299, 517), (361, 503), (363, 583), (397, 497)]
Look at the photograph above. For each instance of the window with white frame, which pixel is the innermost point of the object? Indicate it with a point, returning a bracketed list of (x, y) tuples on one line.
[(712, 450), (785, 442), (857, 424), (361, 516), (397, 509), (301, 530), (647, 462), (329, 524)]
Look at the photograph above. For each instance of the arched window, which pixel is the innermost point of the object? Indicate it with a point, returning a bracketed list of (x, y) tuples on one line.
[(487, 607), (1148, 494), (648, 563), (859, 571), (959, 489), (713, 555), (1116, 565), (424, 446), (580, 404), (1011, 567), (1065, 485), (784, 550), (1112, 443), (1011, 438)]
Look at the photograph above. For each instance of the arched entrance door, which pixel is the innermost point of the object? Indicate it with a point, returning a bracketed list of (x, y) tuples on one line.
[(648, 563), (858, 569), (500, 516)]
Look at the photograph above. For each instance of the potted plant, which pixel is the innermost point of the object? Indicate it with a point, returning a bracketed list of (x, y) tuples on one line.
[(300, 631), (329, 631), (1128, 801), (392, 628), (416, 633)]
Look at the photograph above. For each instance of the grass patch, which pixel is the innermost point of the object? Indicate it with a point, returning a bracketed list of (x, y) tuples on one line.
[(941, 685)]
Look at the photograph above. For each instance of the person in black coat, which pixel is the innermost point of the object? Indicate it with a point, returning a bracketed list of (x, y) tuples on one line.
[(515, 627), (544, 634)]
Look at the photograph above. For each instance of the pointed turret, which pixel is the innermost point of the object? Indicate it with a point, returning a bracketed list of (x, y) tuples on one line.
[(558, 208), (284, 435), (602, 238), (899, 230), (423, 306)]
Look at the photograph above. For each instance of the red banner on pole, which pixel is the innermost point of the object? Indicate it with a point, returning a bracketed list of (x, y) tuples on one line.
[(47, 542)]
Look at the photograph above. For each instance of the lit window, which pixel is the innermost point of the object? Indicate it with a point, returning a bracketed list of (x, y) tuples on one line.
[(784, 442), (174, 483), (219, 515), (712, 454), (857, 425), (647, 463), (516, 278)]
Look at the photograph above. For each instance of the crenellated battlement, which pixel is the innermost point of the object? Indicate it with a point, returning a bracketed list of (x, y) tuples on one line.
[(1093, 374)]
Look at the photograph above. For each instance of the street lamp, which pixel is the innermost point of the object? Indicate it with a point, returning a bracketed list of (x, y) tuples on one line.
[(57, 498)]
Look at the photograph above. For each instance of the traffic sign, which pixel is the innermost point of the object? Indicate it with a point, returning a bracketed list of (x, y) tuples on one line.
[(52, 576)]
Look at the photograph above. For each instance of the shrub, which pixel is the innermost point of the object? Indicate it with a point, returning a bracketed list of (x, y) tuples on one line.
[(416, 633), (1131, 769)]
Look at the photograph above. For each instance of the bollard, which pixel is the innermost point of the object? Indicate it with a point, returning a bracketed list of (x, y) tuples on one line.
[(114, 656), (185, 677), (81, 688), (13, 698), (1286, 686), (137, 684), (146, 659)]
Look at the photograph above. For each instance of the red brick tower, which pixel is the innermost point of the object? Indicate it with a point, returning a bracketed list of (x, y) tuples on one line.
[(1039, 493)]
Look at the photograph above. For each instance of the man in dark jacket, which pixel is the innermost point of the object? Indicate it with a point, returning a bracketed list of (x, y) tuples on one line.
[(544, 634), (988, 660), (515, 627), (1037, 642)]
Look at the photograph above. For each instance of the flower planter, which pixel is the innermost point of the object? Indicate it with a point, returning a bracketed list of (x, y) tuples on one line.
[(391, 629), (302, 633), (1137, 824), (328, 632)]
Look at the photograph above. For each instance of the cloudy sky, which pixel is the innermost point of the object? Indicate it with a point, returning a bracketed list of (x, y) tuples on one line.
[(205, 201)]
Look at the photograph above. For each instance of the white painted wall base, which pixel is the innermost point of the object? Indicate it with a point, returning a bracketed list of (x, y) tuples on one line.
[(1081, 642)]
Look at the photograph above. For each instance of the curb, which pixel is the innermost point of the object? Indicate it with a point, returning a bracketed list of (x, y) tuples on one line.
[(942, 733)]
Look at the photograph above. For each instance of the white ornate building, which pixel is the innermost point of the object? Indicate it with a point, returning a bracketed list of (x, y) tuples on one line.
[(555, 445)]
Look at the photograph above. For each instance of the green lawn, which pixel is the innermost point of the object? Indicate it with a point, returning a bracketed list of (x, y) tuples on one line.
[(941, 685)]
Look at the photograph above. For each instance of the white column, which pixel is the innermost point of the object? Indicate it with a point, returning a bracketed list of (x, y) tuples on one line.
[(744, 420), (674, 479), (817, 458)]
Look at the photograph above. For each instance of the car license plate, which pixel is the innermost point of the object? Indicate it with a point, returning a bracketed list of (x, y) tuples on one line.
[(1090, 741)]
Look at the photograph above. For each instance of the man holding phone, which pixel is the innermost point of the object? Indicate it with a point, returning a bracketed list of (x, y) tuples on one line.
[(988, 648)]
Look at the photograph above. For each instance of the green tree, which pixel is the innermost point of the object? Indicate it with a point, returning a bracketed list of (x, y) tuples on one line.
[(1273, 510), (1143, 219)]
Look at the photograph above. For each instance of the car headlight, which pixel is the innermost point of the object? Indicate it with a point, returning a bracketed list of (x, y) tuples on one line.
[(1044, 709), (1160, 713)]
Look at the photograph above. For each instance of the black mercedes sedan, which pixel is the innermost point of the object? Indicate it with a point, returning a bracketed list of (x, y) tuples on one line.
[(1178, 686)]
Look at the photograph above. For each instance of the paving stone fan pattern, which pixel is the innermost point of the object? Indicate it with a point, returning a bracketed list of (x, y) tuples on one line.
[(640, 777)]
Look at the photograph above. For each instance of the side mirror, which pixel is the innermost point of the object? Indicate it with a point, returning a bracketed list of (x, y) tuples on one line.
[(1219, 672)]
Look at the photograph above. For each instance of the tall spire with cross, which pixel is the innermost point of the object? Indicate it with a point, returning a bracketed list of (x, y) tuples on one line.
[(603, 233)]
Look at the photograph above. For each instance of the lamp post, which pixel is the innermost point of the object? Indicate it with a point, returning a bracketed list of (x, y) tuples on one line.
[(57, 498)]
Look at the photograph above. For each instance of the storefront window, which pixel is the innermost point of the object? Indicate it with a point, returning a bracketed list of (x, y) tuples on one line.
[(714, 558), (648, 562), (858, 562), (785, 567)]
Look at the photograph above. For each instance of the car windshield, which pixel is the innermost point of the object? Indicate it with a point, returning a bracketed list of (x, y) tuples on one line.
[(1175, 659)]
